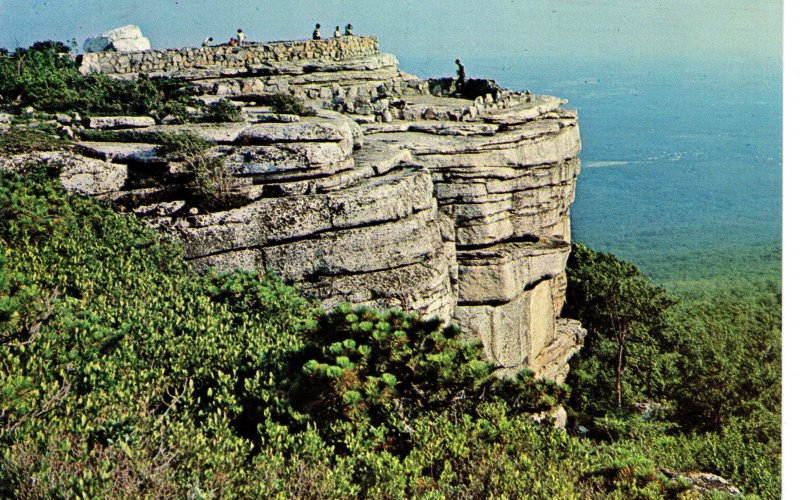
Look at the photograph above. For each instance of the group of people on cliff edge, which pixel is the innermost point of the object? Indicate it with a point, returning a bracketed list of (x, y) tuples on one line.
[(234, 41), (317, 35), (239, 39)]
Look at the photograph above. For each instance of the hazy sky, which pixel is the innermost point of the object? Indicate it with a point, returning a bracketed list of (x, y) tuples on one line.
[(601, 30)]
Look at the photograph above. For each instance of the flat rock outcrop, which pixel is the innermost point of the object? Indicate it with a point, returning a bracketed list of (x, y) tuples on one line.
[(113, 122), (391, 196)]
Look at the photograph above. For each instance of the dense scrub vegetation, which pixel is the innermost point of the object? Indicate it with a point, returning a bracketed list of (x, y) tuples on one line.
[(125, 373), (46, 77)]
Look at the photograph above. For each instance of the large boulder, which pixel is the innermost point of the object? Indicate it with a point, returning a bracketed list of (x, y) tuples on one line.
[(124, 39)]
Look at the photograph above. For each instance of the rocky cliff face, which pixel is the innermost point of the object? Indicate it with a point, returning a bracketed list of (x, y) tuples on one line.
[(390, 196)]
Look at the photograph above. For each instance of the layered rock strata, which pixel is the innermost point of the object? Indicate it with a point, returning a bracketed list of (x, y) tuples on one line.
[(390, 196)]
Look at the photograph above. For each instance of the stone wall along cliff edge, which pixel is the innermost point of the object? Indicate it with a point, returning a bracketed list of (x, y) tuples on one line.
[(226, 57)]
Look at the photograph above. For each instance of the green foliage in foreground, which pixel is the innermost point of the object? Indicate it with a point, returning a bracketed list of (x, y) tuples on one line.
[(383, 371), (701, 378), (125, 374), (115, 358)]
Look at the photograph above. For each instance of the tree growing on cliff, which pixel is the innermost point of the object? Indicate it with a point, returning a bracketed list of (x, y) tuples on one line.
[(627, 356), (214, 185), (713, 362)]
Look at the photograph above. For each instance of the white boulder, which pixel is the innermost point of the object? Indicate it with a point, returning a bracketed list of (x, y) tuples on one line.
[(124, 39)]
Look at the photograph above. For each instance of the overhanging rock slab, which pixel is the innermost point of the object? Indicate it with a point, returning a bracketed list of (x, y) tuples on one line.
[(498, 273)]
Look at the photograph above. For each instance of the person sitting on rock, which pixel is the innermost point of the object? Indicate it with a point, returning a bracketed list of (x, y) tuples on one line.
[(240, 37), (207, 42), (316, 35), (348, 30), (232, 42), (337, 33), (460, 77)]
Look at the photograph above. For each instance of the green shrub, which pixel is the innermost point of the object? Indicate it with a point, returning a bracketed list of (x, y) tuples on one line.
[(382, 370), (280, 103), (214, 184), (221, 111), (28, 139), (55, 46), (182, 145)]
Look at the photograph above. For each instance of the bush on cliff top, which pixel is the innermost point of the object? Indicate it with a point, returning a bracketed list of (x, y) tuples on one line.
[(221, 111), (214, 185), (44, 77)]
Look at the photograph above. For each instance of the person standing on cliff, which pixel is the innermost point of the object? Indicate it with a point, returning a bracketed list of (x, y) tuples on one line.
[(240, 37), (337, 33), (461, 75), (348, 30), (316, 35)]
